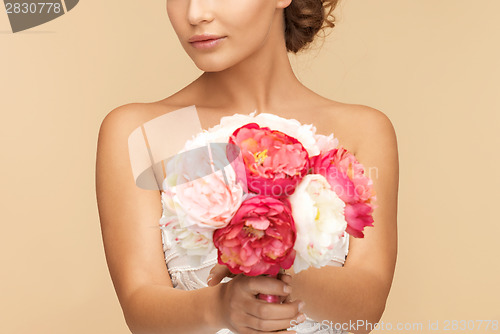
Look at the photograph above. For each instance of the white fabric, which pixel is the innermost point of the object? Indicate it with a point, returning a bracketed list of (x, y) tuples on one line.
[(188, 274)]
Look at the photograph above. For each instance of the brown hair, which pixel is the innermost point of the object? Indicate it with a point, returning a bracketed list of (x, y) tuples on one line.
[(304, 19)]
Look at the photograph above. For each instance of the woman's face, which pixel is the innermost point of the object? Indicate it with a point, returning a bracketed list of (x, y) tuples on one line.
[(244, 24)]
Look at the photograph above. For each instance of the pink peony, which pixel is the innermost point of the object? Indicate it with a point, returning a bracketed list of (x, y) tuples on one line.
[(347, 178), (274, 162), (259, 239), (200, 200), (357, 216)]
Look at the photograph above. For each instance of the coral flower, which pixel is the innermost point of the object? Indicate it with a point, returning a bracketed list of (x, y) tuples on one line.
[(259, 239), (274, 162)]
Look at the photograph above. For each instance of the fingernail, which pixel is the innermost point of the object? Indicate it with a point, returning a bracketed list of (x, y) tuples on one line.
[(287, 289), (210, 277), (301, 306), (301, 317)]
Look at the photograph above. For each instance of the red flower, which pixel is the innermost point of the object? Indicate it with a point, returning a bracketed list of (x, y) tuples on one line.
[(347, 178), (259, 239), (274, 162)]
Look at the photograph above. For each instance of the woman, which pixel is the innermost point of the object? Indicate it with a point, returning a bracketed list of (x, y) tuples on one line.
[(246, 68)]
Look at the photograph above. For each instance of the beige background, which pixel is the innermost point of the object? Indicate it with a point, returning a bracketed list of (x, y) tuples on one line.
[(433, 66)]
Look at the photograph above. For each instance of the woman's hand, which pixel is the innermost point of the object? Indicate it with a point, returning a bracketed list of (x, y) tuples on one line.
[(243, 312), (287, 277)]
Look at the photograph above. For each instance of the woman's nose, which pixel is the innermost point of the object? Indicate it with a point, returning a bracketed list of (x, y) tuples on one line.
[(199, 11)]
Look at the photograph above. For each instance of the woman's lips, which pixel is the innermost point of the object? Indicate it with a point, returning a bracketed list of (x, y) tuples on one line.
[(207, 44)]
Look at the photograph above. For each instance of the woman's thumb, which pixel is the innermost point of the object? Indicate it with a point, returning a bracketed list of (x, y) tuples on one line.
[(217, 273)]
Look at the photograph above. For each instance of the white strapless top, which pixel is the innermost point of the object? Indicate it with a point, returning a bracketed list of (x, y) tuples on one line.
[(190, 274)]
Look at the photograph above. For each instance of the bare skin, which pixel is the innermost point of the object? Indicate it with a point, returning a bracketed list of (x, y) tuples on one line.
[(250, 70), (136, 261), (142, 281)]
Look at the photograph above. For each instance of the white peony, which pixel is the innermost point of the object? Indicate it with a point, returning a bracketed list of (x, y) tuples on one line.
[(319, 218), (304, 133), (219, 133), (326, 143)]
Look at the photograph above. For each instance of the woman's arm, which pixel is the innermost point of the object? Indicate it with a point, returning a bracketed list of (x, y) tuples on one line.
[(358, 291), (129, 218), (158, 309)]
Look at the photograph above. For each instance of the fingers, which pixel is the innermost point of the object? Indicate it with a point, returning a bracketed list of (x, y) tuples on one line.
[(218, 273), (274, 311), (274, 317), (248, 314), (248, 330), (267, 285), (288, 280), (268, 326), (271, 326), (265, 325)]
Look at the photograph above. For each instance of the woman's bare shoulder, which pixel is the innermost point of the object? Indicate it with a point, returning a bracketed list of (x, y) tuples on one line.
[(372, 137), (357, 124), (131, 115)]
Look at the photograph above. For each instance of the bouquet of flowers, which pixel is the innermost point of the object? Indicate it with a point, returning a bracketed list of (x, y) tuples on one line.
[(267, 193)]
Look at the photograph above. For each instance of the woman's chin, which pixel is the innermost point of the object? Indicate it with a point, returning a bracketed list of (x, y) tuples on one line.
[(211, 67)]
